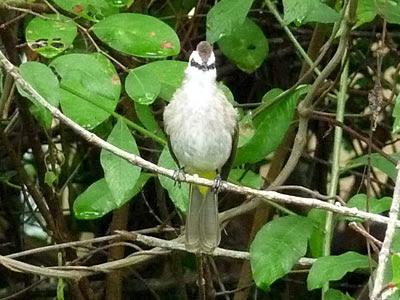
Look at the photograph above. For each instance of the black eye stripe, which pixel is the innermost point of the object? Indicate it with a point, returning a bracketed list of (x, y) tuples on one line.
[(201, 67)]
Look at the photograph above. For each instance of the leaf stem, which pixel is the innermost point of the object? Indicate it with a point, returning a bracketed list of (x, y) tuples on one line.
[(292, 38), (335, 172)]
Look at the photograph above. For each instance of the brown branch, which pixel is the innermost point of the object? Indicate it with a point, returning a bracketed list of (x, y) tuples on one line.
[(355, 134), (137, 160)]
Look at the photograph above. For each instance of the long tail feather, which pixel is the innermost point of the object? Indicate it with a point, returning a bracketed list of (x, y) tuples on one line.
[(202, 226), (210, 233), (192, 230)]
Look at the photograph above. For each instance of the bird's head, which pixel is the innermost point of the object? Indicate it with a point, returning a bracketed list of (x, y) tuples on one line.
[(202, 61)]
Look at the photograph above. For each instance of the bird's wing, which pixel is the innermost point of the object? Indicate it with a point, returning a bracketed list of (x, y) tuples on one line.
[(226, 168)]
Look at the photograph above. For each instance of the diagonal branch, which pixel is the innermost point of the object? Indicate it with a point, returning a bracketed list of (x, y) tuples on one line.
[(137, 160), (387, 242)]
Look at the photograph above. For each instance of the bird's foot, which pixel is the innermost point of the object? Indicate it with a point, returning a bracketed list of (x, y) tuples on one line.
[(179, 175), (218, 186)]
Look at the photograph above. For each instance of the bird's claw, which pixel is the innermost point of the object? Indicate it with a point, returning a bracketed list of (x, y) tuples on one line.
[(178, 176), (218, 187)]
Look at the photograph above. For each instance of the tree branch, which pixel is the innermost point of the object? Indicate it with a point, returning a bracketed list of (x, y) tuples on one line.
[(387, 242), (137, 160)]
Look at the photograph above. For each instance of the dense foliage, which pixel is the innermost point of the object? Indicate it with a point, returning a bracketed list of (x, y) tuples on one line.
[(315, 84)]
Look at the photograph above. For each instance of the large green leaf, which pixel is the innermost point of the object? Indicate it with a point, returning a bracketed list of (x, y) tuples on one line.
[(226, 16), (120, 175), (308, 11), (376, 206), (46, 84), (139, 35), (50, 37), (332, 268), (277, 247), (366, 11), (247, 46), (377, 161), (146, 116), (97, 200), (89, 9), (389, 10), (90, 87), (336, 295), (270, 127), (160, 78), (178, 192), (142, 85)]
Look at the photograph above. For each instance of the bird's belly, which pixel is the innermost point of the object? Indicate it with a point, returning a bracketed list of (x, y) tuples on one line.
[(201, 146)]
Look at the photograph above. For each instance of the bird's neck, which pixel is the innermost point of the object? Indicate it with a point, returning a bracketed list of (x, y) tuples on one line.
[(200, 81)]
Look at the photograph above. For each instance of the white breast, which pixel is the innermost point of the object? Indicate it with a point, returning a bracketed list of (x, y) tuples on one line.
[(200, 123)]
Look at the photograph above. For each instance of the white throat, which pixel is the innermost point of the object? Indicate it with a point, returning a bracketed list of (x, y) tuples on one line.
[(199, 75)]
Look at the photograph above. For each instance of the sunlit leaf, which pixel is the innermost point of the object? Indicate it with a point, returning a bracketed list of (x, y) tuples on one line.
[(270, 128), (120, 175), (50, 37), (90, 87), (226, 16), (277, 247), (246, 46), (138, 34), (42, 79), (332, 268)]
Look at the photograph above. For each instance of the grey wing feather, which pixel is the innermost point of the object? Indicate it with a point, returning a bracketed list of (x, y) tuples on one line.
[(226, 168)]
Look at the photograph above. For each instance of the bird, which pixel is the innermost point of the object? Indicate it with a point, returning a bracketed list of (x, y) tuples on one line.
[(201, 125)]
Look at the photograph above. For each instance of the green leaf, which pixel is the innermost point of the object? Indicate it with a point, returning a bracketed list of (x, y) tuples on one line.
[(89, 9), (120, 3), (143, 82), (246, 130), (321, 13), (246, 178), (247, 46), (366, 12), (308, 11), (50, 37), (142, 85), (377, 161), (120, 175), (277, 247), (146, 116), (396, 269), (332, 268), (270, 128), (332, 294), (395, 247), (90, 87), (396, 115), (376, 206), (139, 35), (271, 95), (42, 79), (389, 10), (179, 193), (96, 200), (50, 178), (318, 217), (226, 16)]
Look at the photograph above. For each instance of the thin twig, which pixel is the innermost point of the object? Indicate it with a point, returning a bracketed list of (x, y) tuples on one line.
[(387, 242)]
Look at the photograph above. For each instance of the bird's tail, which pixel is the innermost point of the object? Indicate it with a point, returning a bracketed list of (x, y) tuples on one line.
[(202, 225)]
